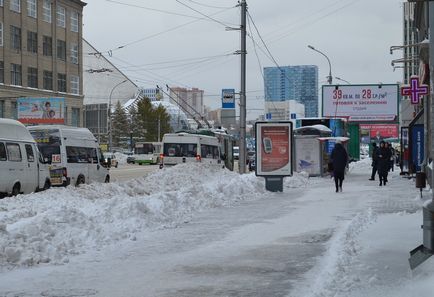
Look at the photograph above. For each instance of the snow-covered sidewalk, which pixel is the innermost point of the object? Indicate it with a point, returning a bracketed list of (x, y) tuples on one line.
[(67, 242)]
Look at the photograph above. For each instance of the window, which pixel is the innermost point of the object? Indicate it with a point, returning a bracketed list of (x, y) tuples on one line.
[(32, 77), (2, 108), (2, 72), (61, 50), (1, 34), (1, 2), (46, 11), (48, 80), (180, 149), (61, 82), (76, 154), (47, 46), (74, 21), (31, 8), (32, 42), (61, 16), (15, 38), (14, 152), (14, 110), (75, 119), (74, 53), (29, 153), (16, 74), (16, 5), (75, 84), (209, 151), (2, 152)]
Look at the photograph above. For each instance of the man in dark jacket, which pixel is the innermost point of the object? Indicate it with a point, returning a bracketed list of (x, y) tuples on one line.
[(383, 162), (339, 159), (374, 157)]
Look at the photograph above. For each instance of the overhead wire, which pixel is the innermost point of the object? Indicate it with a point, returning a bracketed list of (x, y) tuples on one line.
[(203, 14), (110, 51), (206, 5)]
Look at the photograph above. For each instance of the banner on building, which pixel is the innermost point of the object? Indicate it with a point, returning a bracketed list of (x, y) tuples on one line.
[(228, 98), (273, 148), (41, 110), (361, 103), (381, 130)]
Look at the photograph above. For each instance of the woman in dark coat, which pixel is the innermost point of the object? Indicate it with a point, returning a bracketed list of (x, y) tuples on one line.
[(383, 158), (339, 159)]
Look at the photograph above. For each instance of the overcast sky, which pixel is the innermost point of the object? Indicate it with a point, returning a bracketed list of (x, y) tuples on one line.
[(168, 42)]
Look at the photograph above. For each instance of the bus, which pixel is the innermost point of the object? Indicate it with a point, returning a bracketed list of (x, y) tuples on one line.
[(147, 153), (184, 147), (73, 154)]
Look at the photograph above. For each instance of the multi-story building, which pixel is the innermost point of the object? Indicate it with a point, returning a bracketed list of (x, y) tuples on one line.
[(41, 55), (284, 110), (299, 83), (190, 101)]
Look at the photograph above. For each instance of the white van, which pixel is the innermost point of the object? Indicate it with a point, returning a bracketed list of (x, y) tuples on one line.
[(73, 154), (22, 169), (187, 148)]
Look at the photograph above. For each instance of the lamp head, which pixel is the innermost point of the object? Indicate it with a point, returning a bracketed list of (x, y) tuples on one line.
[(311, 47)]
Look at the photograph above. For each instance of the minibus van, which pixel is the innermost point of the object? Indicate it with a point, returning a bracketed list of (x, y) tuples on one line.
[(187, 148), (22, 170), (73, 154)]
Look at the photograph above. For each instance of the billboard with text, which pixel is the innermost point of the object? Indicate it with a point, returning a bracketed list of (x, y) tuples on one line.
[(361, 103), (41, 110)]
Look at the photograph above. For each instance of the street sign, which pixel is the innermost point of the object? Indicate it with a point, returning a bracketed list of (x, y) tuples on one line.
[(415, 90), (228, 98)]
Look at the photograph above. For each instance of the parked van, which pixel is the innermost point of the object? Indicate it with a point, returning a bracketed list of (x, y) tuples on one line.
[(22, 170), (186, 148), (73, 154)]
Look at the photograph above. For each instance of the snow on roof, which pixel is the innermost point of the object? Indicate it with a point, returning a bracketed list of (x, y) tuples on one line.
[(14, 130), (317, 127)]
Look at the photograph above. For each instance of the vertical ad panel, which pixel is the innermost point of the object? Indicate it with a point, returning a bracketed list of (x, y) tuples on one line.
[(417, 146), (274, 148)]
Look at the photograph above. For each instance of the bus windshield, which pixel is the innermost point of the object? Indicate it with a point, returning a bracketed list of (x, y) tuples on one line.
[(144, 148), (48, 144)]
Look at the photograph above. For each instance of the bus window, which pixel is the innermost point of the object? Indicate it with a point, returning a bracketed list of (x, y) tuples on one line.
[(180, 149), (48, 144)]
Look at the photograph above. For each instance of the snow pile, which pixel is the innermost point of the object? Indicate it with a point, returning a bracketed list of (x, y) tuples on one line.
[(50, 226), (332, 277)]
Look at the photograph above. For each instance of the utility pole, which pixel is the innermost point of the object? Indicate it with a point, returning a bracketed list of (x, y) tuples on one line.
[(242, 156)]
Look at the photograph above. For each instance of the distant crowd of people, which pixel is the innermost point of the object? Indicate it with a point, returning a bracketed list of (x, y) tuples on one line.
[(383, 160)]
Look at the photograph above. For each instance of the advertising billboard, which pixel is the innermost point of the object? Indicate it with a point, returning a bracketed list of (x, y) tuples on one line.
[(382, 130), (361, 103), (228, 98), (274, 148), (417, 150), (41, 110), (307, 155)]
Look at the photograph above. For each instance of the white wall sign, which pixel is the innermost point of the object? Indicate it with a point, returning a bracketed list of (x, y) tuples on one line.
[(361, 103)]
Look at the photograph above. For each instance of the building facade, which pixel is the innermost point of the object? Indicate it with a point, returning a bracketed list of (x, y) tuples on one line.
[(41, 55), (299, 83), (190, 101), (284, 110)]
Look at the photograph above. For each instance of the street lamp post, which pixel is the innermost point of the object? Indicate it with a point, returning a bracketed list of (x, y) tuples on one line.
[(341, 79), (110, 114), (329, 78)]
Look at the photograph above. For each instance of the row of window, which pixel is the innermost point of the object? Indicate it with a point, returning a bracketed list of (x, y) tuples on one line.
[(47, 80), (47, 44), (12, 152), (32, 11)]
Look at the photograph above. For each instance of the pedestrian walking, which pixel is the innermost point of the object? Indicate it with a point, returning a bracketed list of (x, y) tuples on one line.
[(374, 157), (383, 163), (339, 159), (392, 156)]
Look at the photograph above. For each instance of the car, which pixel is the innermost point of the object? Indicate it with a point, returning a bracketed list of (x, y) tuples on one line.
[(131, 160), (112, 157), (236, 151)]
